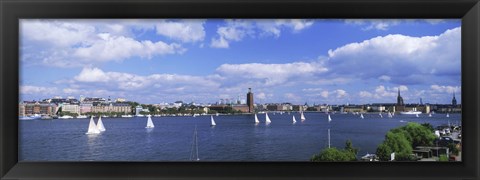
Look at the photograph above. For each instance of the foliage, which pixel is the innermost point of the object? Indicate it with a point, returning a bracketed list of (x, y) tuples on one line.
[(402, 140), (394, 142), (334, 154), (453, 148), (443, 157), (428, 126)]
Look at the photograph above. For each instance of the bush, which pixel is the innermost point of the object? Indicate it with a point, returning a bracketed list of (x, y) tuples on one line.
[(443, 157), (334, 154)]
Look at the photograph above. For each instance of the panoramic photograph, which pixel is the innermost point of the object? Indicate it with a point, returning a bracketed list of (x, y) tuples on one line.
[(241, 90)]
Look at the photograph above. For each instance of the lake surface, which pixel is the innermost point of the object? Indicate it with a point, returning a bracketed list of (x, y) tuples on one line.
[(234, 138)]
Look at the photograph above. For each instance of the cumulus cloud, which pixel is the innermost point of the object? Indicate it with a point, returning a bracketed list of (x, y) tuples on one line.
[(38, 90), (398, 58), (76, 43), (385, 24), (445, 89), (270, 74), (183, 30), (237, 30), (119, 48)]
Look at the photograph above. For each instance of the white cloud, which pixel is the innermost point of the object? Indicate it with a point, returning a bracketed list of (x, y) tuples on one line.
[(119, 48), (261, 95), (341, 93), (76, 43), (404, 59), (324, 94), (445, 89), (365, 94), (237, 30), (91, 75), (183, 30), (384, 78), (219, 43), (37, 90), (271, 74), (385, 24)]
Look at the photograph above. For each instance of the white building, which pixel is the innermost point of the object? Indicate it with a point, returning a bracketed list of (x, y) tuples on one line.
[(72, 108)]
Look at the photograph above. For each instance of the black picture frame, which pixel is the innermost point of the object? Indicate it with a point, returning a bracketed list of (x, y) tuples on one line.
[(13, 10)]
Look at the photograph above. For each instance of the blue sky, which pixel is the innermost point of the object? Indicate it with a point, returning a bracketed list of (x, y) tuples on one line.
[(204, 60)]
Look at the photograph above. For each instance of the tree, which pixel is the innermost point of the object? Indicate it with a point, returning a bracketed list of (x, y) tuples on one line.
[(349, 147), (334, 154), (402, 140)]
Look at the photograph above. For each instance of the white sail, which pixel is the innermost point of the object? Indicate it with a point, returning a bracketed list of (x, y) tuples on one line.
[(256, 119), (380, 114), (329, 118), (448, 115), (416, 115), (430, 115), (390, 115), (361, 116), (100, 125), (267, 119), (294, 120), (92, 128), (213, 121), (150, 123), (302, 117)]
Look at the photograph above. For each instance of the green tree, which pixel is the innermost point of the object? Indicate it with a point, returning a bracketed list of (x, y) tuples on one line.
[(334, 154)]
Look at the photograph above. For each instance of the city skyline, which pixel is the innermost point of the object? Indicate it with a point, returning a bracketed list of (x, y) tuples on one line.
[(297, 61)]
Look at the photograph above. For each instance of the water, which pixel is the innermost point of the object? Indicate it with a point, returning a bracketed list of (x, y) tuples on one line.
[(235, 138)]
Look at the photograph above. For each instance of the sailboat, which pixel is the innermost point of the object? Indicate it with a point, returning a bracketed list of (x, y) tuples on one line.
[(430, 115), (213, 121), (448, 115), (302, 117), (256, 119), (329, 118), (267, 119), (100, 126), (380, 114), (416, 115), (361, 116), (92, 128), (150, 122), (294, 121), (390, 115)]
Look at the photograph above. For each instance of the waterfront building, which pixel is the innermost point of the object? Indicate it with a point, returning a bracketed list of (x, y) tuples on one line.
[(250, 100), (138, 109), (31, 108), (72, 108), (241, 107), (298, 108), (86, 107), (123, 108), (354, 108), (21, 110)]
